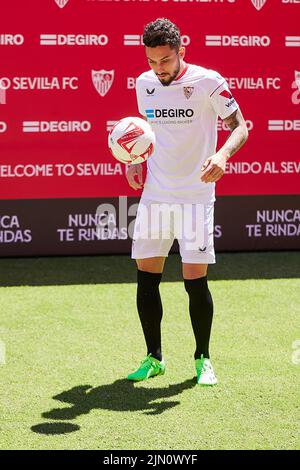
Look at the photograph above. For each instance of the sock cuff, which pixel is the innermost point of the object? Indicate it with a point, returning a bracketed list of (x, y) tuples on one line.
[(148, 278), (195, 284)]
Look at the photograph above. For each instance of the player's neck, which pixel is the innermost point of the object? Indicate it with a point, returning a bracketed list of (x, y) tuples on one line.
[(183, 67)]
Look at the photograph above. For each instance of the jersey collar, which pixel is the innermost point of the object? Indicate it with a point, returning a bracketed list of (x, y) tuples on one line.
[(182, 73)]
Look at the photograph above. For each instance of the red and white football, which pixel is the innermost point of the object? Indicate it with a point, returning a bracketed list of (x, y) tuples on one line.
[(131, 140)]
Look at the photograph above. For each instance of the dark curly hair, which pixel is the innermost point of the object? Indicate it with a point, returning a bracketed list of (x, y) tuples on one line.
[(162, 32)]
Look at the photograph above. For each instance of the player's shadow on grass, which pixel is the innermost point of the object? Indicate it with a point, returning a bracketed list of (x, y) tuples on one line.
[(122, 395)]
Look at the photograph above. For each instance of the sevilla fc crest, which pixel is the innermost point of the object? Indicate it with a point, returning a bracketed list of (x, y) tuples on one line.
[(103, 80), (297, 79), (188, 91), (258, 4), (61, 3)]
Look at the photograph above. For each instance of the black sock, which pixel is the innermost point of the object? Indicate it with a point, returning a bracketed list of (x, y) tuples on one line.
[(150, 310), (201, 313)]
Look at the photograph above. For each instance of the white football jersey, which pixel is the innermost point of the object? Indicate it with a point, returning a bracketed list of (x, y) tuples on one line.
[(184, 118)]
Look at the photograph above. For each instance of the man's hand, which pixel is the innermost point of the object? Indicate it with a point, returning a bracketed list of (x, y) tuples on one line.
[(214, 168), (132, 172)]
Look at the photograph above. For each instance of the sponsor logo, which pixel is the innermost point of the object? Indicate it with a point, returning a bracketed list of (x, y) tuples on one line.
[(73, 40), (56, 126), (238, 41), (158, 113), (230, 103), (202, 250), (61, 3), (11, 39), (227, 95), (103, 80), (284, 125), (258, 4), (221, 126), (150, 92), (188, 91), (292, 41), (133, 40)]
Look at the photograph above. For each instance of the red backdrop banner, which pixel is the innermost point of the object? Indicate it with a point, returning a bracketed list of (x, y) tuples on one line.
[(56, 106), (67, 74)]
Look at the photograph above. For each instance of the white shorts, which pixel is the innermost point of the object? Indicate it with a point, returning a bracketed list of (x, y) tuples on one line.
[(157, 224)]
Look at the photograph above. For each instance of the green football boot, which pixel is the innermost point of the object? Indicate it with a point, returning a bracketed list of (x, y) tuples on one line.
[(150, 367), (205, 372)]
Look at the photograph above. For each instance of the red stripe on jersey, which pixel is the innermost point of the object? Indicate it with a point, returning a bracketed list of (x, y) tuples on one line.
[(226, 94), (183, 72), (217, 88)]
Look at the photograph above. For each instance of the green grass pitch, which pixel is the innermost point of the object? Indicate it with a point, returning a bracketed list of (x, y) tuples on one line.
[(70, 334)]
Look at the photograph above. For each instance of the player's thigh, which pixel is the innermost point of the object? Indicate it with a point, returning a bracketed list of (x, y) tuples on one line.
[(193, 270), (151, 265), (152, 237), (196, 246)]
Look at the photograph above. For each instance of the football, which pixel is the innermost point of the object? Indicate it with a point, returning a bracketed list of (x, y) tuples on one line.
[(131, 140)]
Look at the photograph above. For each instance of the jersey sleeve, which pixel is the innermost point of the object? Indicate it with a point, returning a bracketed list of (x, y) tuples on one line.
[(220, 96), (139, 97)]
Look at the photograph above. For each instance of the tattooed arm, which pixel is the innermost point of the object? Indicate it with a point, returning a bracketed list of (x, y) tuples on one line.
[(214, 167)]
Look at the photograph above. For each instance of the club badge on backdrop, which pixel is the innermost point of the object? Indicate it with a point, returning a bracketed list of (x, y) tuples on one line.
[(61, 3), (297, 79), (103, 80), (259, 4)]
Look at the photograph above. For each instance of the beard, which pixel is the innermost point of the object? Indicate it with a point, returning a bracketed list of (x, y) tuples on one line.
[(167, 82)]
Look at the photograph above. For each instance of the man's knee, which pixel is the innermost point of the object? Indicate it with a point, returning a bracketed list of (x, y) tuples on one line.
[(151, 265), (194, 271)]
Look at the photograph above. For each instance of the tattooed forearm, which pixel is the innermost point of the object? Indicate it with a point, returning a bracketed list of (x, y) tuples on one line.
[(238, 135)]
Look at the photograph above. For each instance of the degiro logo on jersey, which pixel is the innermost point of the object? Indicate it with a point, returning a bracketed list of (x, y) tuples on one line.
[(164, 113)]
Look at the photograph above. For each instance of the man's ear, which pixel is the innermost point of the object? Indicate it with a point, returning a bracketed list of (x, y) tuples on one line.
[(181, 52)]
